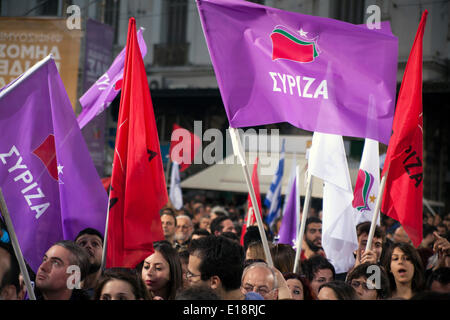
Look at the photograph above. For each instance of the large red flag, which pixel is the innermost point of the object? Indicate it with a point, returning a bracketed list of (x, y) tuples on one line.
[(255, 183), (402, 198), (138, 187), (183, 146)]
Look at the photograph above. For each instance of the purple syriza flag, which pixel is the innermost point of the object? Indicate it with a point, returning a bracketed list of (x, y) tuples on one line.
[(49, 181), (98, 97), (316, 73), (288, 232)]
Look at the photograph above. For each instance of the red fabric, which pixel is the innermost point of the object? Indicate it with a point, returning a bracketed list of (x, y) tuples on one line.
[(402, 197), (184, 145), (285, 48), (255, 183), (138, 185)]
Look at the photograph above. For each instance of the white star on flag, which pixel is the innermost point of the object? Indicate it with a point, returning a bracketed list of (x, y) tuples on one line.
[(60, 169), (302, 33)]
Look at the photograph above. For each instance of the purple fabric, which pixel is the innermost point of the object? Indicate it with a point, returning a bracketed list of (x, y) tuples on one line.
[(50, 184), (355, 65), (104, 90), (288, 232)]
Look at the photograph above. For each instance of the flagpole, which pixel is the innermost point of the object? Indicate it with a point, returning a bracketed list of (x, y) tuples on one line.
[(249, 216), (239, 152), (169, 162), (105, 238), (376, 212), (26, 74), (303, 223), (297, 199), (16, 247)]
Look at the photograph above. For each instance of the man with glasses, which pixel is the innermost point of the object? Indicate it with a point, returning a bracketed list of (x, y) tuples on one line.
[(216, 262), (259, 278), (370, 281)]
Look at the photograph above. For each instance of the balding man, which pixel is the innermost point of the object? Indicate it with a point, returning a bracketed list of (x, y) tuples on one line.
[(260, 278), (183, 232)]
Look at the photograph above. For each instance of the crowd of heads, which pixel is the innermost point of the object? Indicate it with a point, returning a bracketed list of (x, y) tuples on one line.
[(205, 256)]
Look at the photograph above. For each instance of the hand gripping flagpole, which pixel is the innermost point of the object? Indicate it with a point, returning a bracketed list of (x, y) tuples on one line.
[(16, 247), (239, 152), (301, 233), (376, 212)]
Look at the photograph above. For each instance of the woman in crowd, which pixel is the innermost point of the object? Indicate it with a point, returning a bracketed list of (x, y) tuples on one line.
[(162, 272), (299, 286), (405, 270), (121, 284), (337, 290)]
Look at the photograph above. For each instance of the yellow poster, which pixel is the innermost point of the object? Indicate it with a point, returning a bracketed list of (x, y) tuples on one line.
[(25, 41)]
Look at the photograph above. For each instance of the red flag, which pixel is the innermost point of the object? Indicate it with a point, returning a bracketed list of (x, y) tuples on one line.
[(138, 187), (255, 183), (402, 198), (183, 147)]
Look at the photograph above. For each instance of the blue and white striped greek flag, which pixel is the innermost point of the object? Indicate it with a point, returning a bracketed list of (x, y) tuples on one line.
[(273, 196)]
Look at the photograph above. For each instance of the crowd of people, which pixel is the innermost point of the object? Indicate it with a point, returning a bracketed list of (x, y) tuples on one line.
[(205, 257)]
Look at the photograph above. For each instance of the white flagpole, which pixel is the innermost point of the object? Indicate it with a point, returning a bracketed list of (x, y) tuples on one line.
[(249, 216), (25, 75), (105, 238), (16, 247), (376, 212), (303, 223), (239, 152), (297, 198)]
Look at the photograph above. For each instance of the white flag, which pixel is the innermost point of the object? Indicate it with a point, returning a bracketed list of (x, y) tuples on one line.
[(328, 162), (175, 194), (367, 183)]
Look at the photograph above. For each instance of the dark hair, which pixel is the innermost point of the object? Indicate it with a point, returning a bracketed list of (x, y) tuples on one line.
[(197, 293), (427, 229), (418, 280), (90, 231), (200, 232), (216, 224), (307, 292), (283, 256), (169, 212), (364, 227), (311, 220), (252, 235), (342, 290), (129, 275), (79, 256), (231, 235), (362, 270), (11, 276), (314, 264), (176, 272), (248, 262), (184, 256), (441, 275), (220, 257)]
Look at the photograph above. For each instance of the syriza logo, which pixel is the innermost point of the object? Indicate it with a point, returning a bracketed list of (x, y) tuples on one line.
[(363, 188), (296, 47), (289, 46)]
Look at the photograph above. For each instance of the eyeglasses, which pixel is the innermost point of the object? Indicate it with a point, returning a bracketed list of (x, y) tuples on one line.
[(191, 275), (261, 290), (356, 284)]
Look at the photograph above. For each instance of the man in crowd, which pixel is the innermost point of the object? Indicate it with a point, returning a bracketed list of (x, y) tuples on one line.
[(91, 241), (183, 232), (318, 270), (312, 242), (374, 254), (222, 224), (9, 274), (53, 282), (169, 224), (259, 278), (216, 262)]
